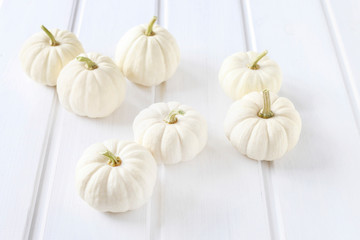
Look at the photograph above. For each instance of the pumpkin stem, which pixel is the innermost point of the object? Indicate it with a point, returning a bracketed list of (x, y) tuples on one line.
[(88, 63), (114, 161), (53, 42), (254, 65), (266, 111), (171, 118), (149, 30)]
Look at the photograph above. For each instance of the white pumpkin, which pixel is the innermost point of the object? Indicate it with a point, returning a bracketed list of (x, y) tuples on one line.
[(171, 131), (116, 176), (245, 72), (148, 55), (91, 85), (45, 53), (263, 127)]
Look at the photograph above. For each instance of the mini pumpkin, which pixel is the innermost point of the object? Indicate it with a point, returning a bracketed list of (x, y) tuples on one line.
[(45, 53), (263, 127), (148, 54), (171, 131), (116, 176), (91, 85), (245, 72)]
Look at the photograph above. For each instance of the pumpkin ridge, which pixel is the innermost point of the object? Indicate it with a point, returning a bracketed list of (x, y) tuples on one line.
[(286, 133), (110, 193), (123, 186), (128, 148), (155, 108), (131, 47), (237, 125), (233, 78), (131, 37), (57, 51), (131, 160), (162, 53), (140, 184), (130, 189), (73, 83), (189, 119), (34, 62), (105, 182), (158, 146), (47, 62), (162, 143), (84, 182), (269, 80), (149, 122), (251, 136), (268, 141), (120, 84), (90, 78), (285, 119), (237, 122), (240, 83), (145, 63), (100, 84), (145, 131), (91, 178), (181, 136), (161, 41), (59, 88), (144, 67), (234, 70)]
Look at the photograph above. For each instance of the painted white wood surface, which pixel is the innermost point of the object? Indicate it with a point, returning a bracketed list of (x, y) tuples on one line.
[(312, 193), (219, 195), (65, 208), (343, 22), (26, 112), (315, 187)]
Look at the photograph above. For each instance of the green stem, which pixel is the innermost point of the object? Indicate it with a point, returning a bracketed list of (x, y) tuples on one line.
[(89, 64), (53, 42), (254, 65), (266, 111), (114, 161), (171, 118), (149, 30)]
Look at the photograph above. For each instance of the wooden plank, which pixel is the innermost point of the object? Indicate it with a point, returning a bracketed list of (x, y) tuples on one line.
[(26, 119), (343, 21), (99, 27), (219, 194), (314, 187)]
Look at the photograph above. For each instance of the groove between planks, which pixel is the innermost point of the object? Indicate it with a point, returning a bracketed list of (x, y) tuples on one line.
[(343, 61), (40, 169), (273, 213), (154, 208), (265, 169), (48, 141)]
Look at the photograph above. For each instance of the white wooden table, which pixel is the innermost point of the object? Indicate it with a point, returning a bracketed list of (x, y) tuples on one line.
[(312, 193)]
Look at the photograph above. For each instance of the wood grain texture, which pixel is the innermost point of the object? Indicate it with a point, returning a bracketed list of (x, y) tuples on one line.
[(27, 115), (219, 194), (65, 208), (343, 21), (314, 186), (311, 193)]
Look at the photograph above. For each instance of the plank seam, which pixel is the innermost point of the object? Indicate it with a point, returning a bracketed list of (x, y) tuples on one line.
[(40, 169), (154, 215), (273, 213), (46, 145), (342, 60)]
